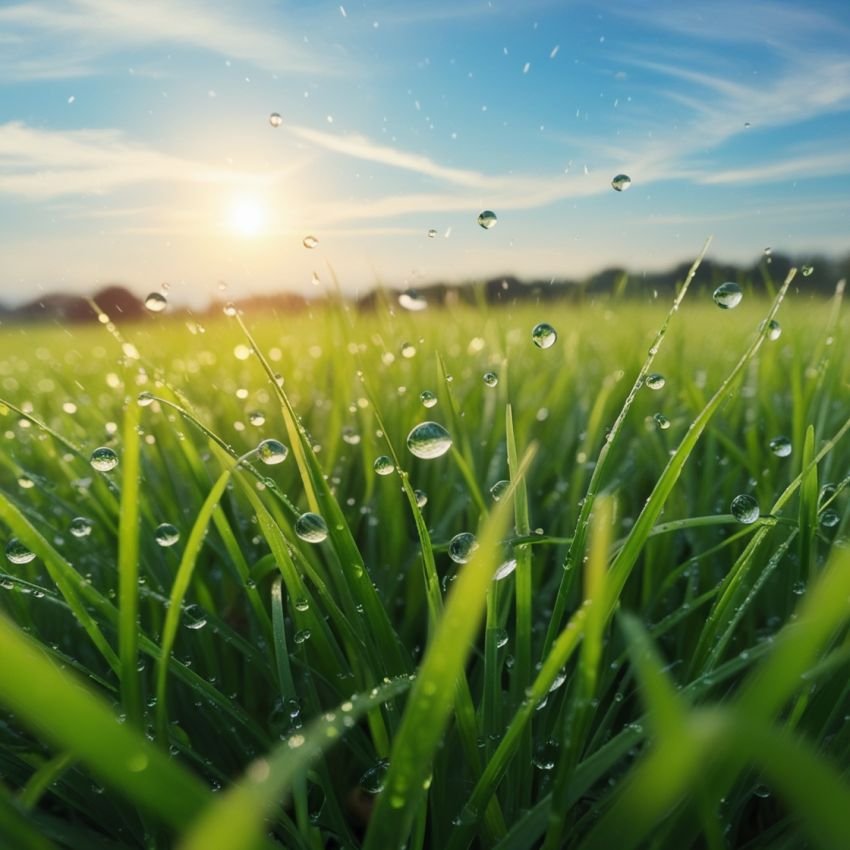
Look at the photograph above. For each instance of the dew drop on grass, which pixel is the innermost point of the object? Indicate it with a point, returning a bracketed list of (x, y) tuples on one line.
[(829, 519), (728, 295), (461, 547), (427, 398), (301, 636), (272, 452), (384, 465), (156, 302), (373, 779), (429, 440), (302, 605), (544, 755), (745, 509), (505, 570), (412, 301), (195, 617), (166, 535), (499, 489), (501, 638), (780, 446), (311, 528), (144, 399), (543, 335), (230, 309), (17, 553), (103, 459), (350, 436), (662, 421), (309, 242), (421, 498), (491, 379), (275, 120), (798, 588), (487, 219), (655, 381), (80, 526), (408, 350), (621, 182)]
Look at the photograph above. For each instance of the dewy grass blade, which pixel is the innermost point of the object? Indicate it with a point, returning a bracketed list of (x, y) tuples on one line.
[(808, 516)]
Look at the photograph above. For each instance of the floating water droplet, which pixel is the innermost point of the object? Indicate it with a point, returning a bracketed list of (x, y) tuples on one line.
[(166, 535), (745, 509), (257, 418), (17, 553), (432, 234), (275, 120), (728, 295), (662, 421), (156, 302), (780, 446), (829, 518), (543, 335), (427, 398), (491, 379), (103, 459), (384, 465), (311, 528), (487, 219), (505, 569), (499, 489), (272, 452), (421, 498), (621, 182), (80, 526), (807, 270), (412, 300), (655, 381), (545, 755), (309, 242), (429, 440), (373, 779), (144, 399), (461, 547)]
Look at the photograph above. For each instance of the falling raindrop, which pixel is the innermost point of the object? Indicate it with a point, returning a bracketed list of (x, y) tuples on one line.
[(166, 535), (655, 381), (272, 452), (621, 182), (311, 528), (728, 295), (80, 526), (156, 302), (429, 440), (309, 242), (745, 509), (384, 465), (780, 446), (461, 547), (544, 335), (275, 120), (103, 459), (17, 553), (427, 398), (491, 379), (487, 219)]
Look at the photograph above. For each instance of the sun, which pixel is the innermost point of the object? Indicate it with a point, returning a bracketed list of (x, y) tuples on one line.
[(247, 217)]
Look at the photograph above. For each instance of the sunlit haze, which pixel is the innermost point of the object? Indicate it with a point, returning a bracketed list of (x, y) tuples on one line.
[(138, 142)]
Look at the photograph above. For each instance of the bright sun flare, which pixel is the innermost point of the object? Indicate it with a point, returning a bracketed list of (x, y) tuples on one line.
[(247, 217)]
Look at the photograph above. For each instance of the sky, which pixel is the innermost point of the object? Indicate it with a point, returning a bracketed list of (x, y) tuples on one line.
[(136, 145)]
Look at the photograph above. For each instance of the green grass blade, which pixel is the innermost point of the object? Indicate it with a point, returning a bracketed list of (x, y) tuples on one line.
[(808, 516)]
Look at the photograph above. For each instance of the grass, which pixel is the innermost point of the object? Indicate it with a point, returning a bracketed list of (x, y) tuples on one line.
[(647, 671)]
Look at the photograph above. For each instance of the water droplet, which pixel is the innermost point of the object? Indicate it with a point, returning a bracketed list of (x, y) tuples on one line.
[(545, 755), (311, 528), (350, 436), (302, 605), (156, 302), (662, 421), (501, 638), (798, 588), (408, 350), (487, 219), (384, 465), (144, 399), (807, 270), (780, 446), (421, 498), (272, 452), (432, 234), (774, 329), (429, 440), (373, 779), (829, 519), (80, 526), (544, 335), (505, 570), (103, 459), (195, 617), (499, 489), (230, 309), (761, 791), (427, 398), (275, 120), (491, 379), (461, 547), (301, 636), (257, 418), (745, 509), (655, 381), (17, 553), (166, 535), (621, 182), (309, 242), (412, 300), (728, 295)]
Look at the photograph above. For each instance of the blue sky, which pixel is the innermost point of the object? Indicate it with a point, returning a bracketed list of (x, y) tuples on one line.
[(135, 144)]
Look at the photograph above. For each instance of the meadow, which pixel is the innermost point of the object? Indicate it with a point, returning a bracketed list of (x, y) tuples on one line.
[(248, 602)]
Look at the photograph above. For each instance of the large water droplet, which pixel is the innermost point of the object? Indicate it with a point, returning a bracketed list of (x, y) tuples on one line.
[(745, 509), (103, 459), (621, 182), (384, 465), (655, 381), (429, 440), (272, 452), (166, 535), (156, 302), (780, 446), (461, 547), (487, 219), (275, 120), (543, 335), (728, 295), (311, 528), (17, 553), (427, 398), (309, 242), (80, 526), (412, 300)]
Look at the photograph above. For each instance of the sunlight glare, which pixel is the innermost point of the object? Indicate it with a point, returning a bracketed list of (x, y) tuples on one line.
[(247, 218)]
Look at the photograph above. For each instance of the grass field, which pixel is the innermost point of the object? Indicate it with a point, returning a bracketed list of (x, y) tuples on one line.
[(212, 647)]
